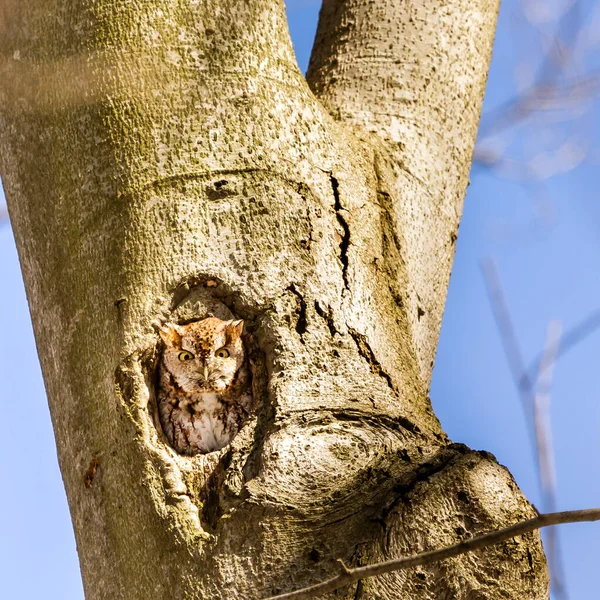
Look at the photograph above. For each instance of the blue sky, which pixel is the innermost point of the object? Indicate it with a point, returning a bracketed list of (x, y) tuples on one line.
[(545, 240)]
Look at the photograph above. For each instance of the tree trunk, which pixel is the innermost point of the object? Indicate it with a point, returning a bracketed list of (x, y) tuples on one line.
[(164, 158)]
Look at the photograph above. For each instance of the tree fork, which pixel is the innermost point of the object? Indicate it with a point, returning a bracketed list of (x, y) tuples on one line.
[(162, 158)]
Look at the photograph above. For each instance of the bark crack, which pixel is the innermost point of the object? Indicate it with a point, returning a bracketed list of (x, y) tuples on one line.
[(327, 315), (367, 353), (301, 322), (345, 241)]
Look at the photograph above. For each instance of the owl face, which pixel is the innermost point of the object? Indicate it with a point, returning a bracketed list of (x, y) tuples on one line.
[(203, 356)]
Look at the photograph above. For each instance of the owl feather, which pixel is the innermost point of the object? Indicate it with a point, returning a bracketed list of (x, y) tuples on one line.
[(204, 393)]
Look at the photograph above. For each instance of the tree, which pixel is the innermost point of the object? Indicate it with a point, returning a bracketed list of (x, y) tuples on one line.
[(187, 163)]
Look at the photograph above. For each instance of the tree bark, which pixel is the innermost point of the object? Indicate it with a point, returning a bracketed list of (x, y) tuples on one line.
[(163, 159)]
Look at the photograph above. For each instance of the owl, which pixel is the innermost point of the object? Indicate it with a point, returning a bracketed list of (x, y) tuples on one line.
[(204, 393)]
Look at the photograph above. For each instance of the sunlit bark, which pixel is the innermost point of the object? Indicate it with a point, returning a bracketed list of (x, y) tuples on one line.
[(161, 157)]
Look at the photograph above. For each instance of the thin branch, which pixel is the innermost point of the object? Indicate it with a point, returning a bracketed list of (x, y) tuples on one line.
[(571, 339), (348, 576), (534, 404), (563, 89), (541, 97), (521, 106), (509, 340), (541, 409), (545, 455)]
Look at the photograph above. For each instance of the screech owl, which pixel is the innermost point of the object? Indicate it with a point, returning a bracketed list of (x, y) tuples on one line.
[(204, 393)]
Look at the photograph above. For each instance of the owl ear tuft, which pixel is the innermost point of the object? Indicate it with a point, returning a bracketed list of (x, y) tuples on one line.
[(170, 334), (235, 328)]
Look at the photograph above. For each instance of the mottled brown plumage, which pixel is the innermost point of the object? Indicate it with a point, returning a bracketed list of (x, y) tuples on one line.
[(204, 393)]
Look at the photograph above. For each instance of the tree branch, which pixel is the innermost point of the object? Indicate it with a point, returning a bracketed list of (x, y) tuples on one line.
[(348, 576), (524, 383), (545, 452), (387, 67), (535, 396), (569, 340)]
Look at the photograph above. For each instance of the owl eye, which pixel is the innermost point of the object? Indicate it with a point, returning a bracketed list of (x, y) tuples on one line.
[(185, 355), (222, 353)]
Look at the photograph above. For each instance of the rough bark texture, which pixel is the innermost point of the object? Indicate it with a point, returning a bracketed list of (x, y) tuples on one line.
[(164, 158), (414, 74)]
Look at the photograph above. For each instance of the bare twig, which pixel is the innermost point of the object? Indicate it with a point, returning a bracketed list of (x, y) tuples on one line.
[(535, 406), (545, 455), (348, 576), (573, 337), (509, 341), (562, 88), (559, 49), (541, 411), (542, 97)]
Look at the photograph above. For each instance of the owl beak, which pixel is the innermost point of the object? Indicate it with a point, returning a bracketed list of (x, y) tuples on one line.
[(205, 372)]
